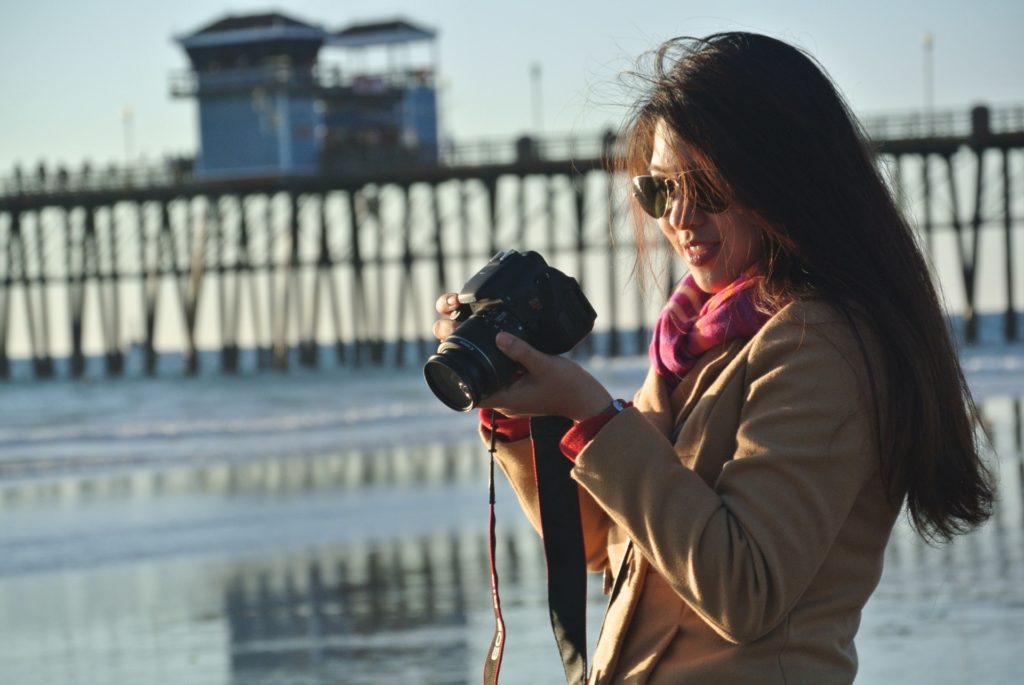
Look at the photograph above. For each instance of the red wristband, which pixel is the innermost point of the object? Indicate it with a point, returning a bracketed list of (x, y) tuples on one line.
[(507, 428), (583, 432)]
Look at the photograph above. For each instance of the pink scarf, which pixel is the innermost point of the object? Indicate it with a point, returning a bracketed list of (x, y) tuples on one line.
[(692, 322)]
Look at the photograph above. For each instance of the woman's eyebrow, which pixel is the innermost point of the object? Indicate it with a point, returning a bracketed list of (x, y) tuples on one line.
[(658, 167)]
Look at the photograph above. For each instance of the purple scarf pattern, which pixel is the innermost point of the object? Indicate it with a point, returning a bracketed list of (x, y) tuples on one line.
[(693, 321)]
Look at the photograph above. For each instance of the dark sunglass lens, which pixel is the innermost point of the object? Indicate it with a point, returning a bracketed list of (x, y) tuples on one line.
[(660, 200), (650, 193)]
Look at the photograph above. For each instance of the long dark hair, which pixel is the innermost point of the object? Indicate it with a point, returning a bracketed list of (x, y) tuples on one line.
[(767, 121)]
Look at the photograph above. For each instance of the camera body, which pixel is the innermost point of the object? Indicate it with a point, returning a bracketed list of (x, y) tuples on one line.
[(515, 292)]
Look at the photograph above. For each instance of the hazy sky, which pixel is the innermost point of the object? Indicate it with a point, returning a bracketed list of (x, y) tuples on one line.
[(70, 68)]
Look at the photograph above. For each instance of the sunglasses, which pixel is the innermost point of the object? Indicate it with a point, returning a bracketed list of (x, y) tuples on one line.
[(656, 194)]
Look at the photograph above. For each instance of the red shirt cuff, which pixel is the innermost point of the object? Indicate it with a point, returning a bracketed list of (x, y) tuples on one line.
[(583, 432), (508, 429)]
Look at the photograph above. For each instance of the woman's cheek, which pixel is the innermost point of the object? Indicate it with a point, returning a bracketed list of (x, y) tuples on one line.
[(670, 236)]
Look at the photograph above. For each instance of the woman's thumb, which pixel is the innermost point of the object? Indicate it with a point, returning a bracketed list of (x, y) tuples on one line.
[(516, 349)]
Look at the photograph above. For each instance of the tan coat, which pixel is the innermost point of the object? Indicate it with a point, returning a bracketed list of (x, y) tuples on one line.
[(744, 552)]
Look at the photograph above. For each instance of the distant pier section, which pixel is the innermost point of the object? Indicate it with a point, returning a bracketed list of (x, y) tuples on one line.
[(323, 212)]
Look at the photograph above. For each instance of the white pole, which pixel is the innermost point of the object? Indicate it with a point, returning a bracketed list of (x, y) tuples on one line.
[(538, 110), (126, 125), (929, 81)]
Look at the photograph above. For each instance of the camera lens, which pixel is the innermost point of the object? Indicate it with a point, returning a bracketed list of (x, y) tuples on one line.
[(455, 377), (468, 366)]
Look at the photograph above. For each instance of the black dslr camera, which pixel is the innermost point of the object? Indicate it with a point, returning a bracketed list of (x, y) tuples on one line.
[(515, 292)]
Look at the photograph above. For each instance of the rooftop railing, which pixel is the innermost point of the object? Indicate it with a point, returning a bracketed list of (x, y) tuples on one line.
[(320, 78)]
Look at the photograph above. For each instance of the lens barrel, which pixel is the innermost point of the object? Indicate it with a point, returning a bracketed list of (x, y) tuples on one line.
[(468, 366)]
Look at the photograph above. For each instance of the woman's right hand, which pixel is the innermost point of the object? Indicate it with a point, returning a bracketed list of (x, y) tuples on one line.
[(446, 304)]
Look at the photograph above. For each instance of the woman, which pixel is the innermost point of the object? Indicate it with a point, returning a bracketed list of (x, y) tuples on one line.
[(803, 386)]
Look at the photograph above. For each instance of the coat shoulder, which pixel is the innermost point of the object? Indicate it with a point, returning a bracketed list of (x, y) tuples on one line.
[(811, 312), (817, 339), (813, 322)]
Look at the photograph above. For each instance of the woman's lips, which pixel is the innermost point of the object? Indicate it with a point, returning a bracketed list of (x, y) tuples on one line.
[(701, 253)]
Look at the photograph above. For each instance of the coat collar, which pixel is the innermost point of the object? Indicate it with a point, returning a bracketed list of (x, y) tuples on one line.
[(667, 411)]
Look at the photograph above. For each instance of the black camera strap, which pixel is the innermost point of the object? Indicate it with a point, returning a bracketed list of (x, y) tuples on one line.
[(562, 532)]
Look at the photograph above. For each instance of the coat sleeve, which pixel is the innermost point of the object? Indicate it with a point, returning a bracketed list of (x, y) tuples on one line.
[(742, 552), (516, 460)]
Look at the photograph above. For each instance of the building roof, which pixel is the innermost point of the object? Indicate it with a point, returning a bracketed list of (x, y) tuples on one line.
[(254, 29), (252, 21), (381, 33)]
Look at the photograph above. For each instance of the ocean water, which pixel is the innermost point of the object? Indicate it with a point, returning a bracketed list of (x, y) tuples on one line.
[(330, 527)]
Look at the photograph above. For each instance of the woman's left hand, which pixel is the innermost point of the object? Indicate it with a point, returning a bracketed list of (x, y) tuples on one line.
[(551, 386)]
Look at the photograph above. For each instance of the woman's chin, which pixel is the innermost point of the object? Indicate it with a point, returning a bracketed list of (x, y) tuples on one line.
[(704, 275), (706, 280)]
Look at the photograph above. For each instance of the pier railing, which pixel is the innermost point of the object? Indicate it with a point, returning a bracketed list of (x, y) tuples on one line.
[(946, 123), (962, 125), (49, 184)]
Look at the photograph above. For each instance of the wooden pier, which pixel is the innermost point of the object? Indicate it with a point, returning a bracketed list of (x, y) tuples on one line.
[(151, 262)]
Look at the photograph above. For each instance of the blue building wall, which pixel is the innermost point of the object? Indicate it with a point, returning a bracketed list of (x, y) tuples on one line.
[(249, 135), (304, 119), (419, 115)]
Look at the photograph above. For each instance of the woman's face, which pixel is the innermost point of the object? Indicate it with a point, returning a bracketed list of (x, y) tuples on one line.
[(717, 247)]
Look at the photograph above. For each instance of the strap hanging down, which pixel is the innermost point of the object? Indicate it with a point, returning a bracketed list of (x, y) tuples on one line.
[(492, 663), (562, 532)]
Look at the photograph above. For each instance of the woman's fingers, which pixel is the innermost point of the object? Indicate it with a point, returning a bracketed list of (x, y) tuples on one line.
[(447, 303), (443, 328)]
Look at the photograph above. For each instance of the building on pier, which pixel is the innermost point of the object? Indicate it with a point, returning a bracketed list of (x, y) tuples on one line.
[(376, 118), (280, 97)]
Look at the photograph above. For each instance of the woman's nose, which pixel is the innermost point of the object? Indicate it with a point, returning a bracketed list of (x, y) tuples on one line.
[(683, 214)]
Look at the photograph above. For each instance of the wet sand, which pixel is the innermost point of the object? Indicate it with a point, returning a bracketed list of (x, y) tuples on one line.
[(366, 564)]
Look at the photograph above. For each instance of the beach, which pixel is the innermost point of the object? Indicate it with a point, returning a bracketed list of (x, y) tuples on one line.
[(330, 527)]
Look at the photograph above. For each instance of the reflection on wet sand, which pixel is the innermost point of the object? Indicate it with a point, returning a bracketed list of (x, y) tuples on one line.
[(399, 607), (431, 465), (369, 566)]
